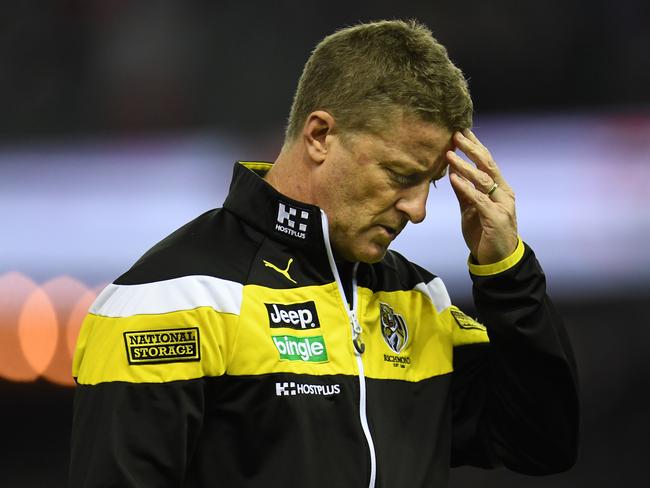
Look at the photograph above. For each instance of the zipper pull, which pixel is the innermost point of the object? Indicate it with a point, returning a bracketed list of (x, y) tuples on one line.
[(356, 328), (356, 333)]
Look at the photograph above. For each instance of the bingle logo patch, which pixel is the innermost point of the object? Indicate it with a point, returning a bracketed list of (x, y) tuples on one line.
[(162, 346), (299, 316), (292, 221), (307, 349)]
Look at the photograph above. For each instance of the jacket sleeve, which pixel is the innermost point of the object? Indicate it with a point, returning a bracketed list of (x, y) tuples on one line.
[(134, 435), (515, 397), (141, 363)]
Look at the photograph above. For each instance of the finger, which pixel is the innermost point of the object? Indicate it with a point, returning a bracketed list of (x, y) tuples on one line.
[(479, 178), (458, 185), (469, 144), (482, 181), (473, 202), (472, 137), (476, 152), (468, 195)]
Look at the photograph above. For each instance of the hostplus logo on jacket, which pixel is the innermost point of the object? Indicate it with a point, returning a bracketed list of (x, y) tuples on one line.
[(287, 388), (292, 221)]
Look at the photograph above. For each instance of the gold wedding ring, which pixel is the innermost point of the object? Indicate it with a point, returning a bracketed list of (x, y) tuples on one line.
[(491, 190)]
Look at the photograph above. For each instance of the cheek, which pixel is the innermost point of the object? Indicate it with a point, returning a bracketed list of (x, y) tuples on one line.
[(367, 202)]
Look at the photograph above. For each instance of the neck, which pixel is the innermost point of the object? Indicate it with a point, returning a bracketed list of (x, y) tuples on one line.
[(291, 175)]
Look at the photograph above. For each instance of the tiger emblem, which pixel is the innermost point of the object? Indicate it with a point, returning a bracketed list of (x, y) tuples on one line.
[(393, 328)]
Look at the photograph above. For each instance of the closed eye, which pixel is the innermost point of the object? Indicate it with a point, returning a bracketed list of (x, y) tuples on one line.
[(399, 178), (402, 179), (408, 180)]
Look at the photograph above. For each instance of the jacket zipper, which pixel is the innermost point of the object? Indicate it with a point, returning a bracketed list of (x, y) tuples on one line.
[(358, 345)]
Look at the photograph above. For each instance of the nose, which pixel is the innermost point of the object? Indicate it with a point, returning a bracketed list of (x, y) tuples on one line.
[(413, 202)]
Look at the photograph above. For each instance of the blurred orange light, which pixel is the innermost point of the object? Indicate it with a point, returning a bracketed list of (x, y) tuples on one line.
[(64, 292), (14, 290), (38, 330), (39, 326)]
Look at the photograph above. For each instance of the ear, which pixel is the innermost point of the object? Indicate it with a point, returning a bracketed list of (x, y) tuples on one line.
[(318, 126)]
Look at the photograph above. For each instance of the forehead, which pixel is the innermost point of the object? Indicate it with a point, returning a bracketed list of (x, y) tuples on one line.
[(410, 140)]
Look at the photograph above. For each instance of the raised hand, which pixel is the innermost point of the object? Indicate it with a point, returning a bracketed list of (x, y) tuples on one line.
[(487, 203)]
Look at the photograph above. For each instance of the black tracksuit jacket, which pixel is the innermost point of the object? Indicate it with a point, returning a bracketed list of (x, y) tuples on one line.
[(237, 353)]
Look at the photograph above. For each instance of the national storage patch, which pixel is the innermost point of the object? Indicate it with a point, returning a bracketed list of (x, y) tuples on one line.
[(163, 345), (465, 322)]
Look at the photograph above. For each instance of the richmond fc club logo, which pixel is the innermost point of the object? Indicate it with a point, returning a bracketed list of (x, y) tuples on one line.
[(393, 328)]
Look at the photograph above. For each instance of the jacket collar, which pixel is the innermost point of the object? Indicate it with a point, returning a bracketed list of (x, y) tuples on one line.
[(281, 218)]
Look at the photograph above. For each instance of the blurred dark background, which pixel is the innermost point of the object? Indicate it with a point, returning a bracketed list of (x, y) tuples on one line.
[(125, 78), (87, 67)]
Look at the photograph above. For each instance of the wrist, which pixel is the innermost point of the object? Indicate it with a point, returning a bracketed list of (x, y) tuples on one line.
[(504, 264)]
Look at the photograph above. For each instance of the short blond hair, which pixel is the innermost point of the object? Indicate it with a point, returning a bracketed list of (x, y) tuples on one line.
[(362, 74)]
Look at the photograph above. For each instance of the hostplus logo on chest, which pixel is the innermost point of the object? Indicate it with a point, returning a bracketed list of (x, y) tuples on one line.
[(292, 388), (292, 221)]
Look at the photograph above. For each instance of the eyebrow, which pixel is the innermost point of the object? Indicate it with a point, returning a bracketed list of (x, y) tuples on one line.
[(418, 171), (413, 165)]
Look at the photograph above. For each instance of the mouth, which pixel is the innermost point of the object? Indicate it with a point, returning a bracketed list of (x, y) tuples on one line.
[(391, 231)]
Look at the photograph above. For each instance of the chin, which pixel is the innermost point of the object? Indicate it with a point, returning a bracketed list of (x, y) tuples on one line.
[(373, 255), (366, 250), (374, 259)]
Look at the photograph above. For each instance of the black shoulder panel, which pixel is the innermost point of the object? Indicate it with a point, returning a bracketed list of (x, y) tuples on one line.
[(393, 273), (213, 244)]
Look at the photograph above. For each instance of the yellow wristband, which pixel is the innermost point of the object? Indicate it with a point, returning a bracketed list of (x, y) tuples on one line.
[(499, 266)]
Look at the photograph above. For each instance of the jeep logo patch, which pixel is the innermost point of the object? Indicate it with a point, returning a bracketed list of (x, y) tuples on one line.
[(162, 346), (299, 316), (307, 349)]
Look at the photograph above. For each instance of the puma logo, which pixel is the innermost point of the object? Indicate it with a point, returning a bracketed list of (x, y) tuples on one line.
[(283, 272)]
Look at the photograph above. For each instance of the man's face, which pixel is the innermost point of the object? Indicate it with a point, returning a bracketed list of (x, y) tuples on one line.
[(371, 185)]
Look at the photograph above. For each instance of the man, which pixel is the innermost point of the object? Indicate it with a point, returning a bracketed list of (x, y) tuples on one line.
[(278, 342)]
